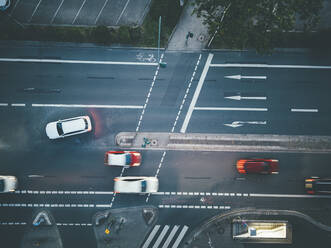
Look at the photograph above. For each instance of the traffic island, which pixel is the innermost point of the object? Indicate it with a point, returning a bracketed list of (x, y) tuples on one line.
[(42, 232), (224, 142), (267, 227), (123, 227)]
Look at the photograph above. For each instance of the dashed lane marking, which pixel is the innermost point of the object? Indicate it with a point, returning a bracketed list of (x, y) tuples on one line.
[(56, 205), (186, 93), (196, 93), (149, 93), (58, 224), (3, 104), (195, 207), (75, 61), (304, 110), (18, 104)]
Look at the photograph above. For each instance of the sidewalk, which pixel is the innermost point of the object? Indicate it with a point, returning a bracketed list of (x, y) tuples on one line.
[(189, 23), (225, 142)]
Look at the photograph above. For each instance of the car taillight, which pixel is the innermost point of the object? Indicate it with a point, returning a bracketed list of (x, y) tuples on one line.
[(311, 192), (310, 180), (116, 179)]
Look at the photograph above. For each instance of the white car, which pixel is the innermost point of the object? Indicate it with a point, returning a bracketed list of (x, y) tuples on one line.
[(8, 184), (122, 158), (136, 184), (4, 4), (68, 127)]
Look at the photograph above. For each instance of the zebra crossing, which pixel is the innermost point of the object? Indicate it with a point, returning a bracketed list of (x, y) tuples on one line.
[(166, 237)]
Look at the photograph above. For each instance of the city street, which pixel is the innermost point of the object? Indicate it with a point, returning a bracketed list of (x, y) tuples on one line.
[(125, 90)]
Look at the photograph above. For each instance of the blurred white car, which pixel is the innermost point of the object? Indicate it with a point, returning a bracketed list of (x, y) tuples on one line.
[(68, 127), (136, 184), (8, 184), (4, 4)]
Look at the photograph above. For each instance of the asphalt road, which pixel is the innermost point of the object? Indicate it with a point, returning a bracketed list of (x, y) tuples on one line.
[(132, 93)]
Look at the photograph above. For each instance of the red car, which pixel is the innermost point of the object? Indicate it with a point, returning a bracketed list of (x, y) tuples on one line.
[(122, 158), (257, 166)]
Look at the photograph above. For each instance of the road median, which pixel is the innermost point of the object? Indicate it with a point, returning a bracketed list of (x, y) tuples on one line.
[(224, 142)]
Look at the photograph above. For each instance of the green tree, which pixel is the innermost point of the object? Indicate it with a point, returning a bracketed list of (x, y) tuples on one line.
[(254, 23)]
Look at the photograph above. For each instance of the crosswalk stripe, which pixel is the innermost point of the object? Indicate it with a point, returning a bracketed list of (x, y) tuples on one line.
[(161, 236), (180, 237), (171, 235), (151, 236)]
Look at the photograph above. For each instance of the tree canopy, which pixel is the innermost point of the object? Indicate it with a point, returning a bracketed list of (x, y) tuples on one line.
[(255, 23)]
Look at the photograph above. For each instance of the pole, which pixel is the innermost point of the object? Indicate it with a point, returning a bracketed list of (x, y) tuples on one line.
[(158, 43)]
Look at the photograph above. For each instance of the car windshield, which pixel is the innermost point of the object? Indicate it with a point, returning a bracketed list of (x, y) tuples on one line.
[(2, 185), (86, 124), (143, 186), (128, 159), (59, 128)]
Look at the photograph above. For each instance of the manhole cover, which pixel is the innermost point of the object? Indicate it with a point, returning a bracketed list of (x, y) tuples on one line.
[(201, 37)]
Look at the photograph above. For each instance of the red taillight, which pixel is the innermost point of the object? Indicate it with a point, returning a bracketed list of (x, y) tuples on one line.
[(116, 179), (311, 192)]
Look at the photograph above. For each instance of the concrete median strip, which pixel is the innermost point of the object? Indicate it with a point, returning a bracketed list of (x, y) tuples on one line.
[(225, 142)]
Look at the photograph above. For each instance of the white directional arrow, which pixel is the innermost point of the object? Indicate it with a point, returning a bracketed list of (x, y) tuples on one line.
[(239, 77), (235, 124), (239, 97)]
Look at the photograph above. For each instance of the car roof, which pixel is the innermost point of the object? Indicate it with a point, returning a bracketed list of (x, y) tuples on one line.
[(117, 158), (70, 126)]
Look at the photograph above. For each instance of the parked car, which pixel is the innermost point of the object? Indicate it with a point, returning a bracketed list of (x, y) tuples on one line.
[(122, 158), (257, 166), (68, 127), (316, 185), (8, 184), (136, 184)]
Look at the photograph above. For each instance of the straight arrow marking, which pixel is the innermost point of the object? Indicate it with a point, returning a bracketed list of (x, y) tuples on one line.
[(239, 77), (238, 97)]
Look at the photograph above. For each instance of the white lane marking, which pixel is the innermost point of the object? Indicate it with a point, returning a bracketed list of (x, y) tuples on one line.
[(55, 205), (161, 236), (151, 236), (96, 19), (236, 124), (78, 12), (180, 237), (289, 196), (126, 5), (230, 109), (187, 91), (194, 206), (12, 223), (239, 97), (171, 235), (35, 10), (74, 61), (3, 104), (55, 14), (61, 192), (271, 66), (18, 104), (149, 93), (87, 106), (196, 94), (239, 77), (74, 224), (114, 195), (304, 110), (103, 205)]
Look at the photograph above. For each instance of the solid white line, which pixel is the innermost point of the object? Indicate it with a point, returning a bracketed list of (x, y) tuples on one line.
[(35, 10), (271, 66), (87, 106), (11, 12), (103, 205), (305, 110), (18, 104), (126, 5), (289, 196), (161, 236), (196, 93), (180, 237), (74, 61), (3, 104), (100, 12), (151, 236), (171, 235), (78, 12), (231, 109), (55, 14)]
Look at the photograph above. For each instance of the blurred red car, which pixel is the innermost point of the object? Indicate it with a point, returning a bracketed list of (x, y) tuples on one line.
[(122, 158), (257, 166)]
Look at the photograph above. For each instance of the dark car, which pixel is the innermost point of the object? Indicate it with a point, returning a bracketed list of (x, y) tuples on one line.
[(257, 166), (316, 185)]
